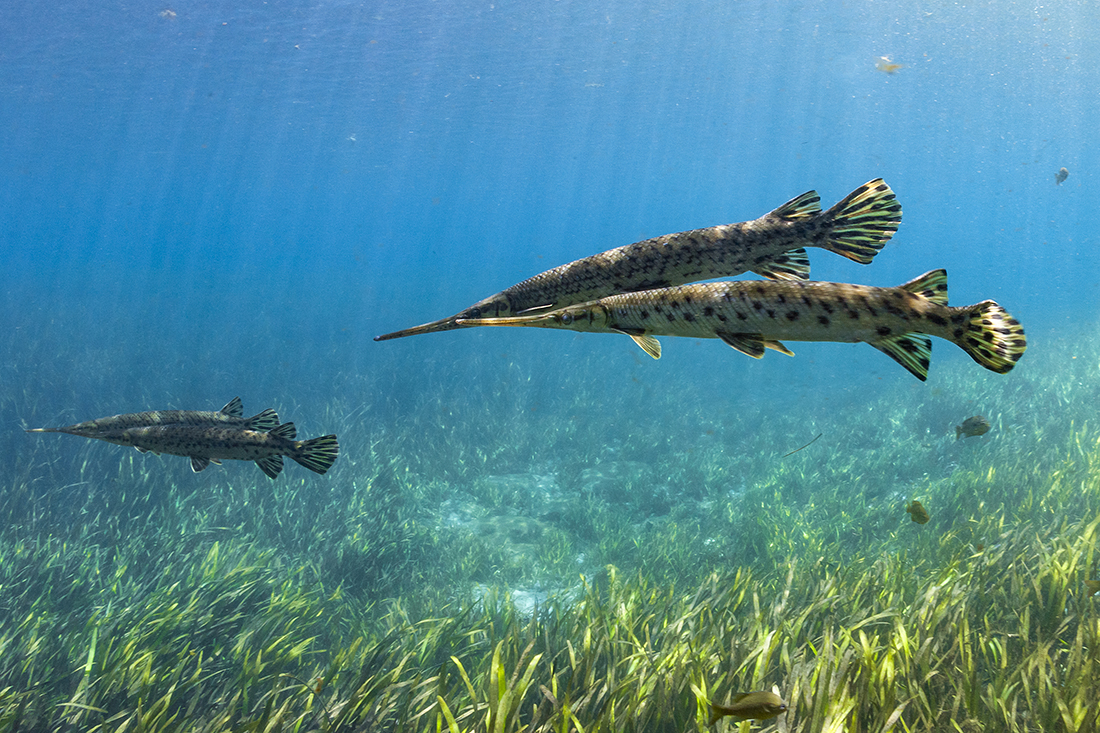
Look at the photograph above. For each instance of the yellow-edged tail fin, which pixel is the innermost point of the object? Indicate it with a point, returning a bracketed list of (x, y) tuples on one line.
[(864, 221), (318, 454), (993, 338)]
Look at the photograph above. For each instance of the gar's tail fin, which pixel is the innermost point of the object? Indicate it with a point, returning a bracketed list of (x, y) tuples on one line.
[(863, 222), (992, 337), (318, 454)]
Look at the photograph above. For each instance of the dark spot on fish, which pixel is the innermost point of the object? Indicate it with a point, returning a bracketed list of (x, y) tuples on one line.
[(823, 320), (690, 318), (883, 330), (958, 332), (771, 313), (758, 305), (742, 316), (670, 317), (721, 318), (826, 307), (959, 317), (708, 311), (644, 315), (854, 315), (792, 315), (937, 319), (782, 298)]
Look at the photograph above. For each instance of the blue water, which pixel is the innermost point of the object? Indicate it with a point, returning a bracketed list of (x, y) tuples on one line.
[(207, 199)]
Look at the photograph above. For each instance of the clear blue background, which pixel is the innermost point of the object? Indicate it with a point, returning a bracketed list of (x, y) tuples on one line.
[(234, 198)]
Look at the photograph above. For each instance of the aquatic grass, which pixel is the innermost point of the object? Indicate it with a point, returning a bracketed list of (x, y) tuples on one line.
[(140, 596)]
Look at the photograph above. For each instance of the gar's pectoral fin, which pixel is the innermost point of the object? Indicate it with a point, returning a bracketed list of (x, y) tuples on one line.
[(199, 464), (649, 344)]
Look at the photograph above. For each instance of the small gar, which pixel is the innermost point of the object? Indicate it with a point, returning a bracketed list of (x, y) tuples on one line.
[(752, 316), (206, 444), (230, 416), (773, 246)]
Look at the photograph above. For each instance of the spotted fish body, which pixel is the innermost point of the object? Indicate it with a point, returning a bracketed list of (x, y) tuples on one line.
[(210, 444), (230, 416), (751, 316), (773, 245)]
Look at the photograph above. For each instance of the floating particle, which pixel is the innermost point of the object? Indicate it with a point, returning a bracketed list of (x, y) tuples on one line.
[(886, 66)]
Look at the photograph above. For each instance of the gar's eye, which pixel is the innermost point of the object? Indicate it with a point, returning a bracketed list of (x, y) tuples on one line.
[(475, 313), (566, 318)]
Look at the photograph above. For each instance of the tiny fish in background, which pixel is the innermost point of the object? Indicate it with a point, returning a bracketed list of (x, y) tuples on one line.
[(917, 512), (1061, 176), (971, 427), (886, 66), (749, 706)]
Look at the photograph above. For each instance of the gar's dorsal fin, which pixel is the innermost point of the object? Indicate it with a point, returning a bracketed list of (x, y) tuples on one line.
[(233, 408), (286, 430), (800, 207), (931, 285)]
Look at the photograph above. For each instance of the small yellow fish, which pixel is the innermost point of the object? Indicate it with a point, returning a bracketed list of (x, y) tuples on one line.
[(886, 66), (972, 427), (1092, 586), (749, 706), (1060, 176), (918, 513)]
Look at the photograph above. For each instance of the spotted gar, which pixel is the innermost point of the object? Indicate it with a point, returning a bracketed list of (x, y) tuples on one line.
[(230, 416), (206, 444), (773, 246), (752, 316)]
